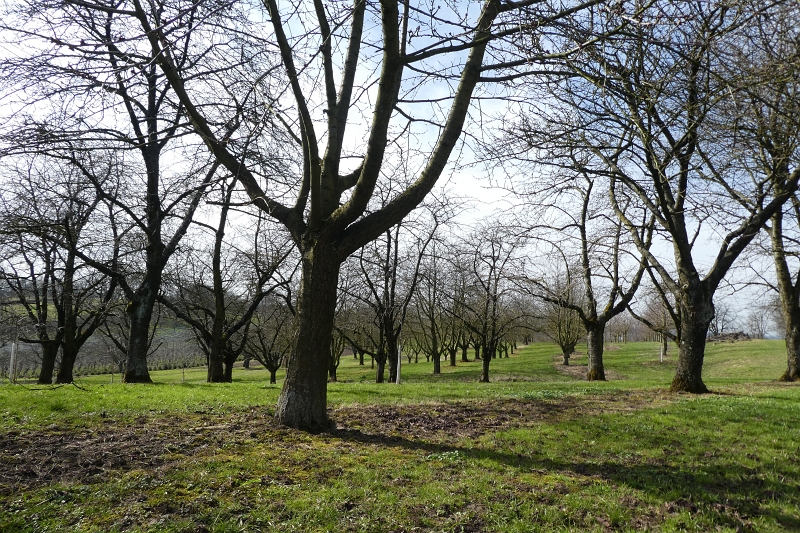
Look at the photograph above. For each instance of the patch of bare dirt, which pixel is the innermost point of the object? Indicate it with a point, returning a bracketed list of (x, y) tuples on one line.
[(57, 454), (450, 420), (60, 454), (447, 421)]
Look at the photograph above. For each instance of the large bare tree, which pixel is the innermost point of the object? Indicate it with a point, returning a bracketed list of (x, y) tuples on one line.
[(386, 55), (593, 247)]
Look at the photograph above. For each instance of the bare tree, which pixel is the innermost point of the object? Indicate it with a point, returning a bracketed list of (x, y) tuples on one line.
[(725, 317), (767, 60), (653, 104), (659, 314), (219, 309), (560, 320), (435, 326), (329, 218), (608, 271), (757, 322), (48, 216), (491, 257), (269, 338)]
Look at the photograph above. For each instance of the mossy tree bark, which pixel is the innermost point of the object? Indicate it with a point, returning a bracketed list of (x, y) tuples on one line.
[(697, 312), (594, 352), (303, 399)]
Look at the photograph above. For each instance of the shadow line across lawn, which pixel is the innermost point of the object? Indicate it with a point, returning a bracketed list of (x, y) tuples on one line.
[(718, 486)]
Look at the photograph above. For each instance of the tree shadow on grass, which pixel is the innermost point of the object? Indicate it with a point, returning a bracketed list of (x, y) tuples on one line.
[(725, 492)]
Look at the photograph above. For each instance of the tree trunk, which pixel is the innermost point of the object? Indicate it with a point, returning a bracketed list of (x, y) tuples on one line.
[(792, 346), (140, 312), (273, 379), (487, 359), (594, 341), (216, 361), (65, 371), (302, 403), (380, 359), (664, 346), (464, 357), (69, 323), (788, 290), (49, 354), (453, 352), (697, 310), (229, 361), (477, 352), (393, 354)]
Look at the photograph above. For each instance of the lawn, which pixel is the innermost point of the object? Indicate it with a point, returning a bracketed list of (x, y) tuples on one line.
[(538, 449)]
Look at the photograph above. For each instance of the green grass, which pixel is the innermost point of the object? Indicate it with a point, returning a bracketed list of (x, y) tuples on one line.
[(535, 450)]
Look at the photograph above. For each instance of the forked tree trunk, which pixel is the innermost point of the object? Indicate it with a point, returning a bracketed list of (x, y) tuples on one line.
[(302, 403), (697, 310), (594, 342)]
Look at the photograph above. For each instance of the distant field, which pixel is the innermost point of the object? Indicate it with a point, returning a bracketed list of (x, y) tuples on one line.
[(538, 449)]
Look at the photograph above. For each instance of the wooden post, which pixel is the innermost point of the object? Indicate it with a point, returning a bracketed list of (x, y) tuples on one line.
[(399, 362), (12, 367)]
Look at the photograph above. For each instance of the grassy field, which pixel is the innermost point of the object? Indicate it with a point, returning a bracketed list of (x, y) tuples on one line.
[(538, 449)]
